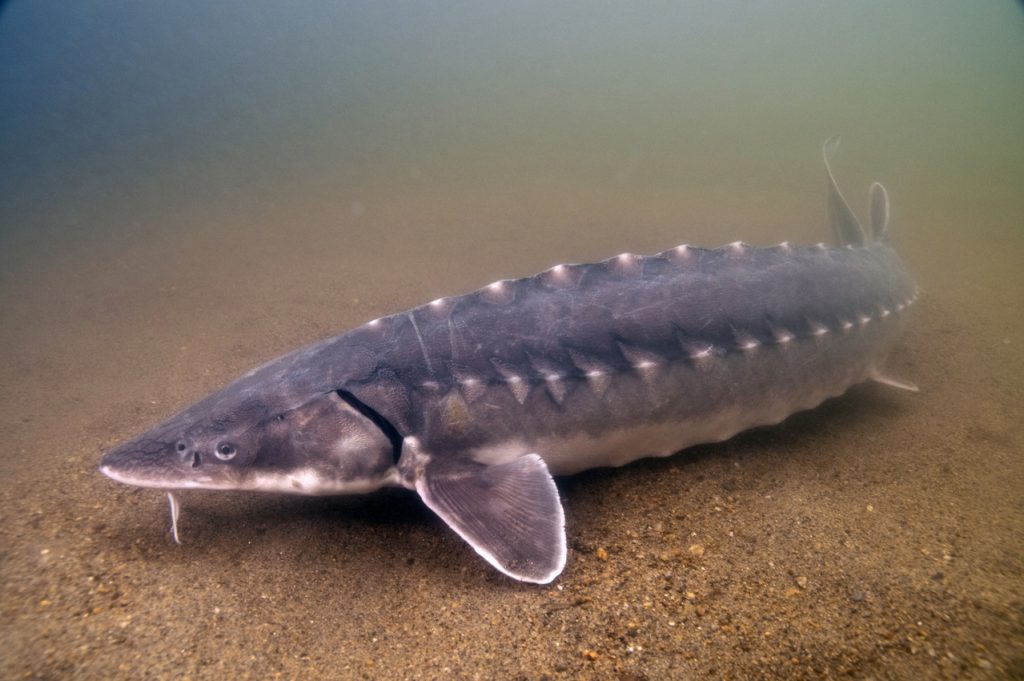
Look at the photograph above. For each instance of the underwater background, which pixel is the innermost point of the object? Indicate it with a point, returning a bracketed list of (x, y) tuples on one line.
[(190, 189)]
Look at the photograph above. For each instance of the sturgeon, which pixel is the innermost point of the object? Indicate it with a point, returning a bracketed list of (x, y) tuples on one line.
[(476, 401)]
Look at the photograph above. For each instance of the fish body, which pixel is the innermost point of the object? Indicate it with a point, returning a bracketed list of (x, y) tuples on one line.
[(476, 401)]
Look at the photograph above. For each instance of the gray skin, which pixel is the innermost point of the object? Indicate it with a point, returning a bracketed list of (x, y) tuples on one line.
[(476, 401)]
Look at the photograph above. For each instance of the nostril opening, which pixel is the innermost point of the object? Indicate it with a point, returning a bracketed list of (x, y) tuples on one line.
[(196, 460)]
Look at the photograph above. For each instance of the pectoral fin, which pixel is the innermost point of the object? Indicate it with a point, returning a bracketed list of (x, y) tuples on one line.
[(509, 513)]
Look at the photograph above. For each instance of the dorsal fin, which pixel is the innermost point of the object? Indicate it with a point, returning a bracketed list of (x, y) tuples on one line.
[(844, 222), (879, 212)]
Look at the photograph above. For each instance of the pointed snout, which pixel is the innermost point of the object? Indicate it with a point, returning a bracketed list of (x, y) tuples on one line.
[(144, 463)]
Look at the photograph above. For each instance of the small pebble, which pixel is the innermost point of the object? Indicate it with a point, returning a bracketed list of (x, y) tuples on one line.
[(801, 582), (697, 550), (601, 553)]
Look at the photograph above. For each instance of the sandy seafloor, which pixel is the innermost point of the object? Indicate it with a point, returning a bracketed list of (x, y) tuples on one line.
[(878, 536)]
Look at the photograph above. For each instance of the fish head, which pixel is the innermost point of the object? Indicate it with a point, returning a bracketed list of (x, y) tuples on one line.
[(322, 444)]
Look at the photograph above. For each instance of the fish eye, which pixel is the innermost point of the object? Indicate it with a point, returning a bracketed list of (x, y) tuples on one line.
[(181, 446), (225, 451)]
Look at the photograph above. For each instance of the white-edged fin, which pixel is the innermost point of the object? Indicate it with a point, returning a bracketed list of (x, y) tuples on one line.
[(175, 512), (844, 223), (878, 377), (509, 513), (879, 211)]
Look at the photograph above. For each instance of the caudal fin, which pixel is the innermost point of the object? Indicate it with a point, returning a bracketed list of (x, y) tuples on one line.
[(844, 223), (879, 212)]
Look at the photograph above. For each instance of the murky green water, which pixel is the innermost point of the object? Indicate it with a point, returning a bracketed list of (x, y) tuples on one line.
[(115, 111)]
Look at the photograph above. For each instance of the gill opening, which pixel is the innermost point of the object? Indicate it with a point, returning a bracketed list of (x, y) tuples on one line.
[(385, 426)]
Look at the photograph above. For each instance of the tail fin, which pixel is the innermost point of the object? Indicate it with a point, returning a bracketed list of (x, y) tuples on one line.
[(879, 212), (844, 223)]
